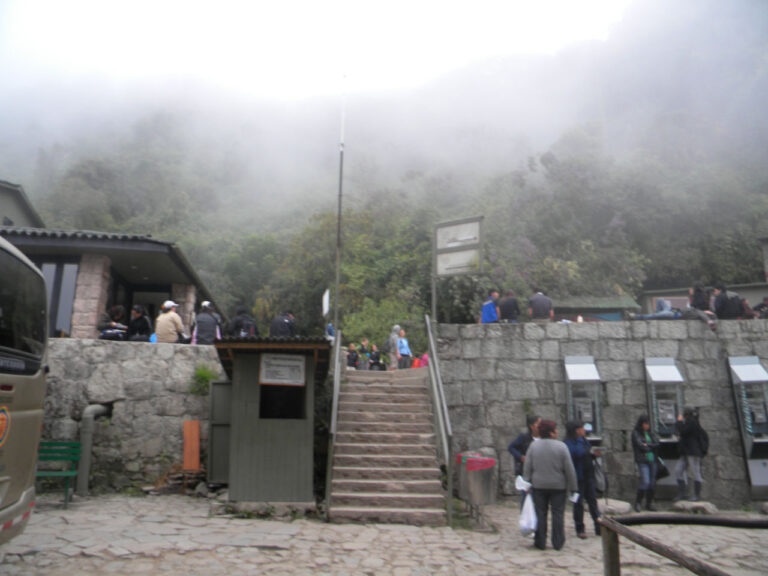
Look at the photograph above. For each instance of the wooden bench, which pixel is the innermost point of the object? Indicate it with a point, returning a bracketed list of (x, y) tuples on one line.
[(68, 453)]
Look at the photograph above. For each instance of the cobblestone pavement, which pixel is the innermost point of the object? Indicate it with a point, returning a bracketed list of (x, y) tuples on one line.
[(173, 535)]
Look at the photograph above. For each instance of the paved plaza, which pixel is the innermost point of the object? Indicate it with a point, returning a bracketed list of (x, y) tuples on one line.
[(176, 535)]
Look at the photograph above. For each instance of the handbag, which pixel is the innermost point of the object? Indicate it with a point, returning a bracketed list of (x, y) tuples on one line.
[(661, 469)]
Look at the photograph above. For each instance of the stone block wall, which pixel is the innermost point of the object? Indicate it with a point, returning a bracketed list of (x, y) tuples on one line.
[(494, 374), (147, 387)]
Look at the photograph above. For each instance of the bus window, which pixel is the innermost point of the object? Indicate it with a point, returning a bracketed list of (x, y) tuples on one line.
[(23, 336)]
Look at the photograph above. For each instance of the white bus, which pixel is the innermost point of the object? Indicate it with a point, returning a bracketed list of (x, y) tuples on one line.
[(23, 337)]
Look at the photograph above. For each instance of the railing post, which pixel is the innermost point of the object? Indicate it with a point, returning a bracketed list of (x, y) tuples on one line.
[(611, 554)]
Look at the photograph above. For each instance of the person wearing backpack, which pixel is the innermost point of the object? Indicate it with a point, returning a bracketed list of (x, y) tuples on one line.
[(389, 347), (243, 325), (693, 444), (728, 305), (206, 329)]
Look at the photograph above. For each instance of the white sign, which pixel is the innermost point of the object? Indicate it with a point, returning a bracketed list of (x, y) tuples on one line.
[(282, 370), (458, 235), (326, 302), (454, 263)]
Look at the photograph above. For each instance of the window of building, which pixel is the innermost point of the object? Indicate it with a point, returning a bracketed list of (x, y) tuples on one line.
[(60, 282)]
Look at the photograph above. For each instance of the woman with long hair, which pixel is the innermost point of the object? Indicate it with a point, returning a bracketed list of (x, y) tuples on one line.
[(645, 444)]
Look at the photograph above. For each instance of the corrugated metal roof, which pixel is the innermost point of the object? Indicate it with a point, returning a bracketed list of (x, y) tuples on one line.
[(21, 231)]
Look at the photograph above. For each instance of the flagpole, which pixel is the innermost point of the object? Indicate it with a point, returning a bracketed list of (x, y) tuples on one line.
[(338, 219)]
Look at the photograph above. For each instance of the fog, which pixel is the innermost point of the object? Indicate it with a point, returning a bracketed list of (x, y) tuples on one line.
[(675, 83)]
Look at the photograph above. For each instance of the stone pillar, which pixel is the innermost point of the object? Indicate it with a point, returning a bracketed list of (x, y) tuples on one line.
[(184, 296), (90, 295)]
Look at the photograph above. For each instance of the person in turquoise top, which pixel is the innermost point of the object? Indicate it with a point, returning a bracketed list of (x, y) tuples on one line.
[(404, 355), (645, 444)]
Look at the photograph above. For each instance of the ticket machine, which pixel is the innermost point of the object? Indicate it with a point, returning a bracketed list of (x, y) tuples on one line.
[(583, 395), (664, 390), (749, 380)]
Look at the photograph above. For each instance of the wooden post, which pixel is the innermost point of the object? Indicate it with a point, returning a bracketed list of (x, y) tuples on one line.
[(611, 555)]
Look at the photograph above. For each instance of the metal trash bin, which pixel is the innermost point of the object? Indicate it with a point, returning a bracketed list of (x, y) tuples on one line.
[(461, 464), (480, 479)]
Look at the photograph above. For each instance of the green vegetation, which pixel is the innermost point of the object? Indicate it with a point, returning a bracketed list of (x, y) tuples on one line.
[(201, 380)]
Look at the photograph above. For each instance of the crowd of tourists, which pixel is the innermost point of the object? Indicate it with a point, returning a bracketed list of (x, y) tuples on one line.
[(396, 350), (554, 471)]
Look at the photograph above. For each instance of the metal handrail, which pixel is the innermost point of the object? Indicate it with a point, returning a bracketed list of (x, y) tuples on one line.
[(334, 416), (443, 418)]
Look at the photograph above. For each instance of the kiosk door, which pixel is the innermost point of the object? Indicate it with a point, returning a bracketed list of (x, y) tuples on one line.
[(664, 390), (583, 393), (749, 380)]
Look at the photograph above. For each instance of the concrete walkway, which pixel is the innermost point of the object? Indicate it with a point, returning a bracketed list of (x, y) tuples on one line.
[(174, 535)]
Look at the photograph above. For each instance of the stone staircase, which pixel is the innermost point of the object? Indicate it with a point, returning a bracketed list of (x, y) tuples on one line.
[(385, 466)]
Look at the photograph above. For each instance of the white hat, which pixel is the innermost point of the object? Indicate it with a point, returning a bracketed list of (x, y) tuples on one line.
[(168, 304), (206, 304)]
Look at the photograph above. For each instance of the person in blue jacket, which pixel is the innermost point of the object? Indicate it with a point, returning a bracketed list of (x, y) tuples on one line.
[(581, 455), (489, 313)]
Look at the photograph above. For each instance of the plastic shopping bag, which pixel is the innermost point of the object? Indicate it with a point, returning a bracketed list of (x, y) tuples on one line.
[(528, 521), (521, 485)]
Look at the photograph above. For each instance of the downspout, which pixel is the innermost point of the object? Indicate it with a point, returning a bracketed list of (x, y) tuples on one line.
[(86, 443)]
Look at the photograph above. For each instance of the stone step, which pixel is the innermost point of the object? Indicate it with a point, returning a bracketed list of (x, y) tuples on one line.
[(417, 517), (388, 416), (388, 449), (383, 389), (385, 460), (356, 426), (367, 376), (386, 500), (386, 473), (347, 406), (364, 437), (390, 486), (392, 398)]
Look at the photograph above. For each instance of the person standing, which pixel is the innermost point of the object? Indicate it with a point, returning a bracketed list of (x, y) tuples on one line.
[(391, 347), (581, 456), (243, 325), (548, 467), (168, 326), (283, 326), (519, 446), (692, 444), (540, 308), (375, 360), (207, 328), (404, 355), (489, 313), (509, 309), (645, 444)]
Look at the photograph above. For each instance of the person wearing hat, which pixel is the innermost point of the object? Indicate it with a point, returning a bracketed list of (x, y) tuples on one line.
[(168, 326), (391, 346), (549, 469), (207, 328)]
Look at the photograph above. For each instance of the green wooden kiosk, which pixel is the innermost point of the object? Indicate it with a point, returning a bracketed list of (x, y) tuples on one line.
[(262, 419)]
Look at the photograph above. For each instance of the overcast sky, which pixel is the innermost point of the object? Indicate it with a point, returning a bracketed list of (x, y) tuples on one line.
[(286, 48)]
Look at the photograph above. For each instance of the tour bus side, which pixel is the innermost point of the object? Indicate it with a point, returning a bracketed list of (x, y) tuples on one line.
[(23, 336)]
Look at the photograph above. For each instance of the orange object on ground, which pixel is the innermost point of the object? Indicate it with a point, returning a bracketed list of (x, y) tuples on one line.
[(191, 445), (416, 363)]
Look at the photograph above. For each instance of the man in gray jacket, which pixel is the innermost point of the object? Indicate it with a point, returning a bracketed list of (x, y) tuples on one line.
[(548, 467)]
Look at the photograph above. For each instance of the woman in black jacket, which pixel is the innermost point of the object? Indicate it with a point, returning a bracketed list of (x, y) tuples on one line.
[(645, 444)]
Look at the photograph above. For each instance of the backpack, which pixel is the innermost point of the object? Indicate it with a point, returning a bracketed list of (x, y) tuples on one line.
[(733, 305), (703, 441), (247, 328), (386, 347)]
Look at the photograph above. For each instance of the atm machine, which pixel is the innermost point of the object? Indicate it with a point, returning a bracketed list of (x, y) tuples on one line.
[(664, 390), (583, 395), (749, 380)]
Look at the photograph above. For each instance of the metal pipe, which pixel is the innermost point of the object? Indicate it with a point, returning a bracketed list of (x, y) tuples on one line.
[(86, 443)]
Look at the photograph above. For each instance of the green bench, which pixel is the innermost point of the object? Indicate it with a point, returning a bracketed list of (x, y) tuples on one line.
[(68, 453)]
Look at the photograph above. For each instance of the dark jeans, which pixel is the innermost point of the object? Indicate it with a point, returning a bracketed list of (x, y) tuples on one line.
[(542, 500), (586, 493), (404, 362)]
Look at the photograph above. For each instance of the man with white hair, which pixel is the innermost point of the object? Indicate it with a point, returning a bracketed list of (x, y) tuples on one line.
[(168, 326)]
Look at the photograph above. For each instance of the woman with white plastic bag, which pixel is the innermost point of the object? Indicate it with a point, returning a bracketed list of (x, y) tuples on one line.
[(549, 469)]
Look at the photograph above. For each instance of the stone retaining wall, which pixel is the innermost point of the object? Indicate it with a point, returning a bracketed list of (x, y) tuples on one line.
[(493, 374), (147, 387)]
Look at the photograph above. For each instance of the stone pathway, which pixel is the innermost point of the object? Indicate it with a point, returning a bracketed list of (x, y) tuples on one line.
[(174, 535)]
